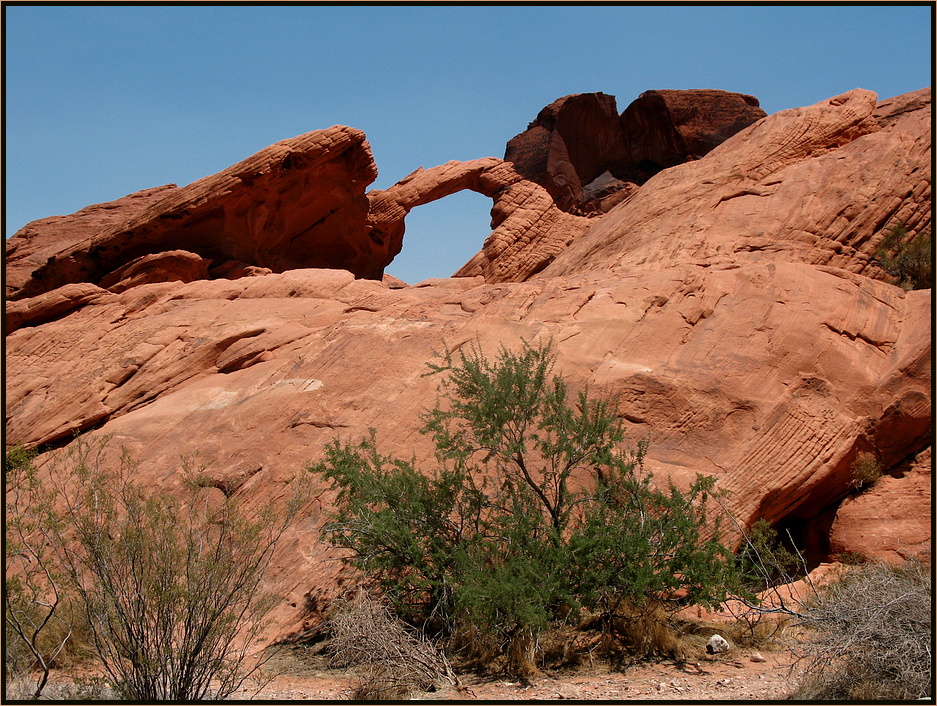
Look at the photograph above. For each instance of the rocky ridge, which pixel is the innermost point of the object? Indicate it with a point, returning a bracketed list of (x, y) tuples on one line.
[(730, 304)]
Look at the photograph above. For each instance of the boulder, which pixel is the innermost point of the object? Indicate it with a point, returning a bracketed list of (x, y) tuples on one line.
[(717, 644), (569, 143), (889, 521), (51, 305), (665, 128), (168, 266)]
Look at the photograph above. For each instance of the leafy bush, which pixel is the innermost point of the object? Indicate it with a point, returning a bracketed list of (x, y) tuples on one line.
[(872, 635), (172, 591), (763, 562), (763, 565), (908, 259), (530, 514)]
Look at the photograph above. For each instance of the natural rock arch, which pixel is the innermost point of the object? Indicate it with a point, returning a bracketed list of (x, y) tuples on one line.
[(528, 228)]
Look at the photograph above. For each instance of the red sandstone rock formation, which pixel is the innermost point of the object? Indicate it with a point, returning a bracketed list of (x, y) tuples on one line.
[(570, 143), (726, 306), (580, 138), (529, 230), (664, 128), (33, 244), (891, 520), (298, 203), (819, 184)]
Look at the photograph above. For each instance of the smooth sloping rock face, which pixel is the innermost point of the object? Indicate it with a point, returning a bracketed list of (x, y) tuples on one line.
[(820, 185), (738, 346), (297, 203)]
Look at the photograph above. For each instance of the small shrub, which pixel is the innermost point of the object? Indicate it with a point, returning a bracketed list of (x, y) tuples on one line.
[(172, 592), (871, 635), (648, 633), (93, 688), (763, 562), (35, 588), (850, 558), (908, 259), (757, 630), (394, 661), (763, 565), (865, 470), (17, 459)]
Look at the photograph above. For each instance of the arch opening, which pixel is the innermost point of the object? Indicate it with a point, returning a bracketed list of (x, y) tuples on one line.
[(441, 236)]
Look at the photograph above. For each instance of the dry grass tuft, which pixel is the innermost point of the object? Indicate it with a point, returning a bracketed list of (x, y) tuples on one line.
[(865, 470), (649, 635)]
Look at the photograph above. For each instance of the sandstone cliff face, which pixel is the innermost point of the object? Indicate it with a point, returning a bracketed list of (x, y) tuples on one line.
[(729, 306)]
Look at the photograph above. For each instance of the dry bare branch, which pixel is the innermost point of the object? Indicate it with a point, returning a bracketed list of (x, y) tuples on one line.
[(392, 660)]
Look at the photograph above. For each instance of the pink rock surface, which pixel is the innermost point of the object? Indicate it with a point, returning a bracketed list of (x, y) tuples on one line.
[(738, 346), (728, 372)]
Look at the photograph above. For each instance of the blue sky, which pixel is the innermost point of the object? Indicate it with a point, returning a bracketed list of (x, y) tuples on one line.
[(101, 101)]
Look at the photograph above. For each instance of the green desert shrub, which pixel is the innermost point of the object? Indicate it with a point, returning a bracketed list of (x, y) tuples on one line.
[(908, 259), (763, 562), (531, 512)]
